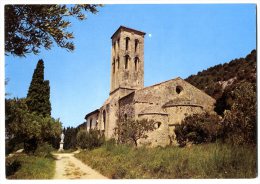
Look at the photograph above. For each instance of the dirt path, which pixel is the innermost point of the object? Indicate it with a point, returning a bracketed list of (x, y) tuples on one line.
[(69, 167)]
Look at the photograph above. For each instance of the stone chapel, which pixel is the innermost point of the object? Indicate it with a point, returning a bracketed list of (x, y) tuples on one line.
[(167, 103)]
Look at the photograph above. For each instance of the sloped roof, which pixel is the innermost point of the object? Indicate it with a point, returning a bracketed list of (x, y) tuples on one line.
[(93, 112), (129, 30)]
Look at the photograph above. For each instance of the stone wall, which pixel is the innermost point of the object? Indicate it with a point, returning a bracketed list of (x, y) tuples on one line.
[(160, 136)]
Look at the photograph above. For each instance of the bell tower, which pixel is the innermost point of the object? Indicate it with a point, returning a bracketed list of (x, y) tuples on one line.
[(127, 59)]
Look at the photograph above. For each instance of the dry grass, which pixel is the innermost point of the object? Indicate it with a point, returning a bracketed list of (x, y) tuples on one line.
[(197, 161)]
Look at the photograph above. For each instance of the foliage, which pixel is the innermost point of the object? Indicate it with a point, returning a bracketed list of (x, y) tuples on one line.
[(199, 128), (44, 150), (30, 27), (24, 166), (241, 121), (38, 97), (29, 128), (70, 134), (220, 80), (200, 161), (89, 140), (130, 131)]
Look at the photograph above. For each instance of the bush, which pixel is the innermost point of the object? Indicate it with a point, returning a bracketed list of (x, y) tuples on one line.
[(199, 128), (89, 140), (240, 122), (44, 150)]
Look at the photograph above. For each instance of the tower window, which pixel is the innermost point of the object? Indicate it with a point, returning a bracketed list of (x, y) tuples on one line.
[(113, 65), (127, 43), (136, 44), (114, 46), (118, 43), (136, 63), (90, 123), (104, 119), (126, 61), (118, 62)]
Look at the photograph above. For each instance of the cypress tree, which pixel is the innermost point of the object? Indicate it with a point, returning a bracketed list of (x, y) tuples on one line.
[(38, 96)]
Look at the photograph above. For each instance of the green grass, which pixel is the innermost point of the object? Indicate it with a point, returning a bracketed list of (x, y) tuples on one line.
[(198, 161), (23, 166)]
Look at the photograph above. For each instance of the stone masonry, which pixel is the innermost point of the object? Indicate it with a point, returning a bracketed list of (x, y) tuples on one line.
[(167, 103)]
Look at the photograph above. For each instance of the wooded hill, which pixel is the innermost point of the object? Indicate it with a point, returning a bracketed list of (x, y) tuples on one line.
[(219, 81), (215, 79)]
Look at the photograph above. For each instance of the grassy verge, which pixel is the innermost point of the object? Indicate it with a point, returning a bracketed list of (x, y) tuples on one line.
[(198, 161), (23, 166)]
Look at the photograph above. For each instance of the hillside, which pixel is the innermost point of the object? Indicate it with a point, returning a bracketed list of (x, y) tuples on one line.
[(219, 81), (215, 79)]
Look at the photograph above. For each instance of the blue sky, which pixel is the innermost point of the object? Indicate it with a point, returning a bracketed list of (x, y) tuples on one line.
[(184, 39)]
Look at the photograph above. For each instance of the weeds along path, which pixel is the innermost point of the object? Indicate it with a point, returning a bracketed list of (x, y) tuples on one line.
[(69, 167)]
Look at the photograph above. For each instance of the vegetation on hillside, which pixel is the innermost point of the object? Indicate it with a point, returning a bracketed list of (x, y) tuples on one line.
[(201, 161), (215, 79), (235, 102)]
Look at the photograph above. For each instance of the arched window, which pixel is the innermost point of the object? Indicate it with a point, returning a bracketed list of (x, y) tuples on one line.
[(136, 44), (118, 43), (118, 62), (90, 123), (126, 61), (136, 63), (113, 65), (104, 119), (127, 43), (114, 46)]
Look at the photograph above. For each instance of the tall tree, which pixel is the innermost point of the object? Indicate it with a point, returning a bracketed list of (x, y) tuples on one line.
[(38, 97), (30, 27)]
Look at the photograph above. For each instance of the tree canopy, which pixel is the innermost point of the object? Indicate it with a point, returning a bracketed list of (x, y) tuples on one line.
[(30, 27), (22, 126)]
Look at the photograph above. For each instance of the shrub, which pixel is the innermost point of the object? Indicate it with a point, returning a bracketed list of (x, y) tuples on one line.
[(44, 150), (199, 128), (89, 140), (240, 121)]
